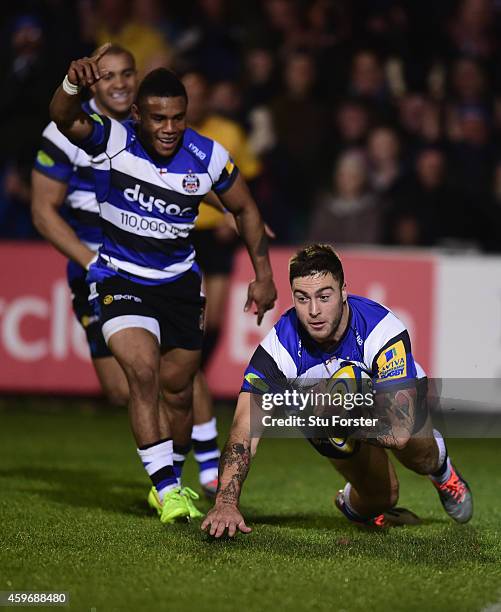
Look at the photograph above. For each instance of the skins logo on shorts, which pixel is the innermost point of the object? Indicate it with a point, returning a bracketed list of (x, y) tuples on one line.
[(191, 183), (107, 300), (392, 363)]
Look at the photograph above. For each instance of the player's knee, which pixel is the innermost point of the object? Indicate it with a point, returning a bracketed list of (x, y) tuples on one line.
[(180, 398), (142, 375)]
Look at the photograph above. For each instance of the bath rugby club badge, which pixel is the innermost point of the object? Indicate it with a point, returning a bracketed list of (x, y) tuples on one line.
[(191, 183)]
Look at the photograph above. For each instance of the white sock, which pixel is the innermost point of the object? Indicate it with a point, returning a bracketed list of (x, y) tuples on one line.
[(205, 431), (443, 457), (158, 463)]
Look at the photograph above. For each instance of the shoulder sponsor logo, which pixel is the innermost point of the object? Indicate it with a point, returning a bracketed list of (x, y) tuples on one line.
[(97, 118), (191, 184), (392, 363), (200, 154), (134, 194), (255, 381), (44, 159)]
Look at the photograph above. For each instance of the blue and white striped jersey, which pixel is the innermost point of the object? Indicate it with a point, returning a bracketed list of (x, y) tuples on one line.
[(148, 206), (60, 159), (375, 340)]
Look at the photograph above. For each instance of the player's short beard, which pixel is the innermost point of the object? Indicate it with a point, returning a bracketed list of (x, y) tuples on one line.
[(334, 327)]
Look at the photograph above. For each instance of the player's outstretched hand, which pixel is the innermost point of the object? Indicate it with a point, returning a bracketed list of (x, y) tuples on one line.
[(224, 517), (85, 72), (263, 293)]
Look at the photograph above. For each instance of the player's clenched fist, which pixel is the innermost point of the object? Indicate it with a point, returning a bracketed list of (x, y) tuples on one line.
[(224, 517), (84, 72)]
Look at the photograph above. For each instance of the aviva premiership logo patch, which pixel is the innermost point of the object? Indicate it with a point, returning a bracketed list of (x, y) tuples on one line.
[(392, 363), (191, 183)]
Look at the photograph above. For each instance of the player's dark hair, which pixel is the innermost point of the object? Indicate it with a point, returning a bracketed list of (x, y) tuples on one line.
[(316, 259), (161, 83)]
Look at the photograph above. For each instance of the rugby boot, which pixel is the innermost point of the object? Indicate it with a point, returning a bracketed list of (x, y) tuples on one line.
[(395, 517), (456, 497)]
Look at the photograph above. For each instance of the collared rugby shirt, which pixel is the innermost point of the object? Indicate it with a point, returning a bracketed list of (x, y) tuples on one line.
[(148, 206)]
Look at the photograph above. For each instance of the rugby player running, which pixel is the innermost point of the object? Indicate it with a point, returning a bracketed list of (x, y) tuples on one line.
[(150, 175), (66, 212), (325, 329)]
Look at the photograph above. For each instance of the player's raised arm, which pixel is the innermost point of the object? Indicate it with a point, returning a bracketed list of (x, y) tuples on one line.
[(238, 200), (65, 108), (233, 469)]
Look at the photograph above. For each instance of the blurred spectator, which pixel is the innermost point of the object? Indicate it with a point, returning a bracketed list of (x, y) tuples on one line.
[(259, 79), (115, 23), (226, 100), (327, 38), (472, 153), (420, 122), (368, 81), (211, 43), (300, 122), (471, 30), (351, 126), (280, 27), (468, 82), (28, 80), (153, 14), (385, 169), (15, 214), (350, 212), (258, 89), (429, 211)]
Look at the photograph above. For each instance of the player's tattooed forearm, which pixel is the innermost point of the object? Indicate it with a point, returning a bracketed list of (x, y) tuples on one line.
[(230, 493), (235, 460)]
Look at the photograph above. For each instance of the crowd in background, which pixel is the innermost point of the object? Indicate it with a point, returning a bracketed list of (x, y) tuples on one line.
[(375, 121)]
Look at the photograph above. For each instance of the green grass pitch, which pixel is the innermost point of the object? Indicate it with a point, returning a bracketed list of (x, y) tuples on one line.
[(73, 518)]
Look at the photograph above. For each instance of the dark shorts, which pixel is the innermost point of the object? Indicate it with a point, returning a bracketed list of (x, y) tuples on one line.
[(213, 256), (88, 318), (173, 312)]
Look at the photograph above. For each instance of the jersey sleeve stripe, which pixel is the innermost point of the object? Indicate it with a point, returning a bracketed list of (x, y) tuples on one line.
[(272, 345)]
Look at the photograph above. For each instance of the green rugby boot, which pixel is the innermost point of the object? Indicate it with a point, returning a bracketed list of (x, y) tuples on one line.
[(173, 508), (189, 495)]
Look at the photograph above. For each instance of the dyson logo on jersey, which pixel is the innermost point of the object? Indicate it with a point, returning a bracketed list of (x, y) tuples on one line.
[(150, 202)]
